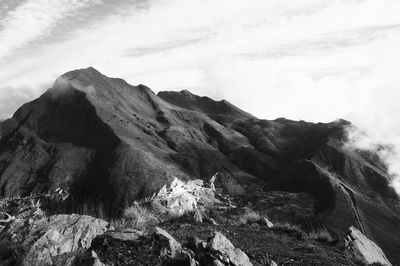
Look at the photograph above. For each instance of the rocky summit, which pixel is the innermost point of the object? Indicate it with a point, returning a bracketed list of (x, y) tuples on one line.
[(100, 172)]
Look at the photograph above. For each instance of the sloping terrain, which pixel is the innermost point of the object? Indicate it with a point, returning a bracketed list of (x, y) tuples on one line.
[(104, 140)]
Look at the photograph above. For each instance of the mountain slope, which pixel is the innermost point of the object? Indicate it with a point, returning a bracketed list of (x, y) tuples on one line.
[(104, 140)]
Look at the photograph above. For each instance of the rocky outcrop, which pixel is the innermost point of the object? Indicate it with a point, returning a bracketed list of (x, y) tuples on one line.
[(217, 251), (53, 240), (363, 249), (181, 197)]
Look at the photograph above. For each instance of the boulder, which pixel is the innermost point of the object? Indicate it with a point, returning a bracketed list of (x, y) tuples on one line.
[(226, 184), (266, 222), (212, 221), (125, 235), (181, 197), (224, 250), (196, 244), (363, 249), (46, 240), (169, 247)]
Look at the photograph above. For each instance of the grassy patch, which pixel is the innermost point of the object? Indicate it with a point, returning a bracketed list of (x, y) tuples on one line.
[(290, 229), (97, 210), (136, 217), (321, 234)]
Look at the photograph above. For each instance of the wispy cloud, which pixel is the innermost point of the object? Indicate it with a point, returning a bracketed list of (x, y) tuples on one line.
[(34, 19), (162, 47), (327, 42)]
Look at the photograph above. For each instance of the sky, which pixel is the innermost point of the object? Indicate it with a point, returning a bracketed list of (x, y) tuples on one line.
[(314, 60)]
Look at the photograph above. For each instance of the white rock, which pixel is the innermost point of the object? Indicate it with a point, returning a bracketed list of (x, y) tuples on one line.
[(266, 222), (363, 249), (220, 245), (181, 197)]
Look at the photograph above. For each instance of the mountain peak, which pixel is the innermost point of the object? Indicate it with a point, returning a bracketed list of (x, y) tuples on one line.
[(107, 141)]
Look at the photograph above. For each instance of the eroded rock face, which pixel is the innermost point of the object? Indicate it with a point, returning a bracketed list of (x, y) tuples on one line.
[(45, 240), (363, 249)]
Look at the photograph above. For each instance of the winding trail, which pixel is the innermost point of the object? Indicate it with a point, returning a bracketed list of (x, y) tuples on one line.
[(353, 203), (349, 194)]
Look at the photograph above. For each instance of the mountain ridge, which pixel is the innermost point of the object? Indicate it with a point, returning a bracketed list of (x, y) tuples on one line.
[(103, 139)]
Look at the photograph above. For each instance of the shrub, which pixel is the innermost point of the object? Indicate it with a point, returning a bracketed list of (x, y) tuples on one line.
[(121, 224), (321, 234), (97, 210), (135, 217), (218, 217), (309, 248), (290, 229)]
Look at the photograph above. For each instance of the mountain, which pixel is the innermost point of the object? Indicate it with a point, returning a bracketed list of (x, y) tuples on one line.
[(102, 139)]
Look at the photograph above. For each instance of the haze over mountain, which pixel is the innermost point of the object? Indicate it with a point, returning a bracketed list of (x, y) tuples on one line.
[(102, 139)]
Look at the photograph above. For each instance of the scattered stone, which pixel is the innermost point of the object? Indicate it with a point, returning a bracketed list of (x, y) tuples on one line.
[(224, 250), (265, 221), (96, 260), (363, 249), (169, 247), (125, 235), (5, 217), (196, 244), (273, 263), (185, 225), (197, 217), (212, 221), (255, 225), (185, 258)]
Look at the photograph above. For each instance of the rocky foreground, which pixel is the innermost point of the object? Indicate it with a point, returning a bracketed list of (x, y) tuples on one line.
[(187, 223)]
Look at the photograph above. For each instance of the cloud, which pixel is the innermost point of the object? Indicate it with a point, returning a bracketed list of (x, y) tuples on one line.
[(34, 19), (385, 144)]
